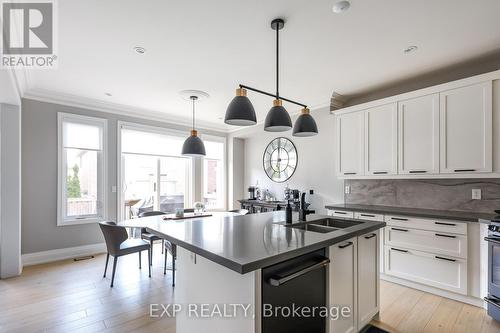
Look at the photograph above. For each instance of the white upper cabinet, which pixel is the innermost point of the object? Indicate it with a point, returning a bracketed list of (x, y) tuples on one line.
[(350, 141), (381, 137), (466, 129), (418, 148)]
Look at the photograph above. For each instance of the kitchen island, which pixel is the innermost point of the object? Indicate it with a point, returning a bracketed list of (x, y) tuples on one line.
[(230, 266)]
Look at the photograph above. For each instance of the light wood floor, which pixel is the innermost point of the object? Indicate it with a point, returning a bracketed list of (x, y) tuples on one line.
[(70, 296)]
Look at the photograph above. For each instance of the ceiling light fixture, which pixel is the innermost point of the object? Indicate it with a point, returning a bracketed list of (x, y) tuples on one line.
[(240, 111), (410, 49), (341, 6), (108, 94), (193, 146), (139, 50)]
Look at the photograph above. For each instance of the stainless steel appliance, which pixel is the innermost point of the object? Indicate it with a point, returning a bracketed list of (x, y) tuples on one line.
[(251, 193), (493, 239)]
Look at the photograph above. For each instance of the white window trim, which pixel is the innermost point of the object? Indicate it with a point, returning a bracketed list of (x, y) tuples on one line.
[(223, 140), (151, 129), (61, 219)]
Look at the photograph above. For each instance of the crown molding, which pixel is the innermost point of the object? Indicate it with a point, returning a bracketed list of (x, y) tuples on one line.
[(49, 96)]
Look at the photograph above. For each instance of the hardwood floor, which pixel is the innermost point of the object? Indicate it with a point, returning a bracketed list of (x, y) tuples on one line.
[(70, 296)]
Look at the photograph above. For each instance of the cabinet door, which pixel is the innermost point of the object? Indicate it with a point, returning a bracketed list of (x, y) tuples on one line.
[(381, 140), (350, 142), (342, 284), (466, 129), (418, 144), (368, 278)]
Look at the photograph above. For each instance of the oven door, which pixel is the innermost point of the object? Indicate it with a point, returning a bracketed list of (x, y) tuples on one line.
[(493, 266)]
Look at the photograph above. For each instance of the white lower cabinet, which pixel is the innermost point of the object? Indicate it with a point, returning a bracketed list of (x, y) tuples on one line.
[(368, 278), (342, 286), (434, 270)]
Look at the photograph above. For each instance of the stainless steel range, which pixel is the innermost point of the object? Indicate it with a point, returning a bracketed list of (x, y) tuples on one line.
[(493, 240)]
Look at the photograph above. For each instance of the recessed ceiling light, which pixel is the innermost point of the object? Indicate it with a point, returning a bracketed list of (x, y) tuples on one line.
[(108, 94), (410, 49), (139, 49), (341, 6)]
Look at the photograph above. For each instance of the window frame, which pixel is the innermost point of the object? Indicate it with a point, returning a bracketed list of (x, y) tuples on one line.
[(223, 140), (102, 208)]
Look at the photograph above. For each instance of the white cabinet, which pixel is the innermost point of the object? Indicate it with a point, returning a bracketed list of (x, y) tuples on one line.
[(350, 143), (368, 278), (341, 213), (466, 129), (418, 135), (381, 140), (342, 284)]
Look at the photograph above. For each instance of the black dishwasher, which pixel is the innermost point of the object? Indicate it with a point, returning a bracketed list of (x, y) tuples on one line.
[(298, 283)]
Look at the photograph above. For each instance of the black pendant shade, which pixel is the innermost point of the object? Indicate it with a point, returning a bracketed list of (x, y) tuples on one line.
[(240, 111), (305, 125), (193, 146), (277, 119)]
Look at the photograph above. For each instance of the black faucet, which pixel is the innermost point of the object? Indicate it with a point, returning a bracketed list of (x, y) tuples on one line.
[(303, 211)]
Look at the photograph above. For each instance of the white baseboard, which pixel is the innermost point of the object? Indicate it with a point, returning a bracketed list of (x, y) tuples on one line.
[(43, 257), (436, 291)]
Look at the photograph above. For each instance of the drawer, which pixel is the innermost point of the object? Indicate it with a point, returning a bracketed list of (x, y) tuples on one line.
[(369, 216), (429, 269), (429, 241), (446, 226), (341, 213)]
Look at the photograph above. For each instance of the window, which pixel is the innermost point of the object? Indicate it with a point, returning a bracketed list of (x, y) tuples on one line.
[(154, 174), (81, 171), (213, 173)]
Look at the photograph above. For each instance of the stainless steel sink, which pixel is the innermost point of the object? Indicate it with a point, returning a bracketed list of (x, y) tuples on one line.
[(323, 225)]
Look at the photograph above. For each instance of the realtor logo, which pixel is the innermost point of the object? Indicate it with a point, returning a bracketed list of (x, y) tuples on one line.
[(28, 32)]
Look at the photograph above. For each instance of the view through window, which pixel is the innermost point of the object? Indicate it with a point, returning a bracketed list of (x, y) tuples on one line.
[(213, 175)]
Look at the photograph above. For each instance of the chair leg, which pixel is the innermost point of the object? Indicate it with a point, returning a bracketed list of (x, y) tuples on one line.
[(149, 257), (140, 259), (165, 264), (106, 266), (114, 270), (162, 246), (173, 271)]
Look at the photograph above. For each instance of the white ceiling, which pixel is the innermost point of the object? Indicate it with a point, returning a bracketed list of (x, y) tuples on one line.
[(214, 45)]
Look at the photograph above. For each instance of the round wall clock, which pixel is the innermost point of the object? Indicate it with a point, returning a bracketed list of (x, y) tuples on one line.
[(280, 159)]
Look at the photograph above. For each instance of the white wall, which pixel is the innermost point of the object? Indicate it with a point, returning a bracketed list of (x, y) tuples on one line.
[(315, 168)]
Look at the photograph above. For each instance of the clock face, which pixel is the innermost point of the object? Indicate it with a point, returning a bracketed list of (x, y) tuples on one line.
[(280, 159)]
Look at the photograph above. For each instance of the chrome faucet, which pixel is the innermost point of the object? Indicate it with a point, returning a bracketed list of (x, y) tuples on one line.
[(303, 211)]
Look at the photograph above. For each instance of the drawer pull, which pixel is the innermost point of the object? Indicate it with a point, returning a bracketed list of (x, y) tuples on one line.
[(399, 250), (464, 170), (493, 301), (442, 258), (448, 224), (367, 215), (447, 236), (349, 173), (418, 171), (398, 219), (370, 236), (380, 172), (397, 229), (345, 245), (343, 213)]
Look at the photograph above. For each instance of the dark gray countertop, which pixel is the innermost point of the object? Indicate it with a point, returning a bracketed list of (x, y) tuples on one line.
[(417, 212), (247, 243)]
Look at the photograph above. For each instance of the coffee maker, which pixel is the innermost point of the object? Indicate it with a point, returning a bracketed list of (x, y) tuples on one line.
[(251, 193)]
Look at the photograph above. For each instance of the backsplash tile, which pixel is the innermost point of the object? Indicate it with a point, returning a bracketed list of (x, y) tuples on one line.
[(447, 194)]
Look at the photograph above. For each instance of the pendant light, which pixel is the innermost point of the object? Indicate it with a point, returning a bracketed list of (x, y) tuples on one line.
[(193, 146), (240, 111)]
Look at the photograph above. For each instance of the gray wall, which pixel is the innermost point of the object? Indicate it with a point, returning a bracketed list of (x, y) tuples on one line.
[(39, 176), (316, 162), (448, 194)]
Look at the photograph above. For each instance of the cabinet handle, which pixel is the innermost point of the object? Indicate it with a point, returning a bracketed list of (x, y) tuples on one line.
[(397, 229), (448, 224), (398, 219), (447, 236), (367, 215), (371, 236), (349, 173), (345, 245), (418, 171), (404, 251), (343, 213), (442, 258), (464, 170), (278, 280), (380, 172)]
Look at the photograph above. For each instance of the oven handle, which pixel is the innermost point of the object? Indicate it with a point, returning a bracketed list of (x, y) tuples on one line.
[(492, 240), (278, 281), (492, 301)]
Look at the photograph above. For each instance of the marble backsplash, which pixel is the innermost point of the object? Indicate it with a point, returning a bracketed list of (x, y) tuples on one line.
[(447, 194)]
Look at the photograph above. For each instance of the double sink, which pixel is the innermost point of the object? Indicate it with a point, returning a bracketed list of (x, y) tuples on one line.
[(323, 225)]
